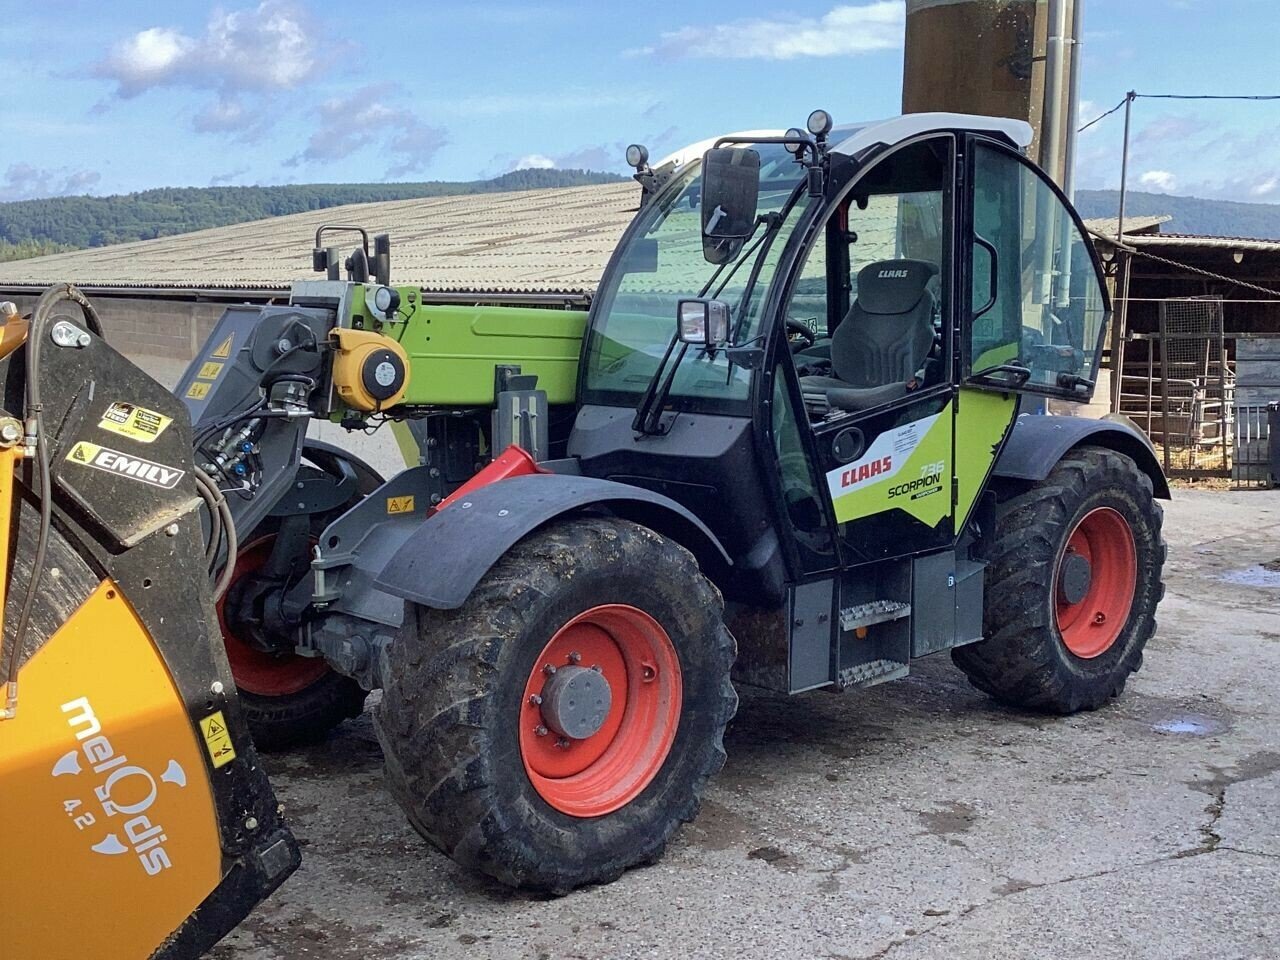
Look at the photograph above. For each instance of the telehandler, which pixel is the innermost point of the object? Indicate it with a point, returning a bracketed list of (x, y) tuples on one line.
[(792, 445)]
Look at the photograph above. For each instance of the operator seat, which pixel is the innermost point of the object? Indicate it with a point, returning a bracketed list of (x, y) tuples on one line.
[(884, 340)]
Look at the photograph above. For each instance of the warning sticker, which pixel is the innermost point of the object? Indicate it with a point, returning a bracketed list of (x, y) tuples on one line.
[(223, 351), (217, 739), (133, 468), (209, 371), (400, 504), (134, 422), (197, 390)]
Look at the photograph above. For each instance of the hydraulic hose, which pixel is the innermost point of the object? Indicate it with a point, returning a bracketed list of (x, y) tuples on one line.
[(37, 446), (223, 528)]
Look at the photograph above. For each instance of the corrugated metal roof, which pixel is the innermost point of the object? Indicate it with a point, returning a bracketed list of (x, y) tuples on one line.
[(1204, 243), (1107, 226), (555, 241)]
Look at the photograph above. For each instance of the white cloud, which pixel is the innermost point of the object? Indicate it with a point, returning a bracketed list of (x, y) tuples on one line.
[(271, 46), (1270, 187), (223, 179), (533, 161), (845, 30), (349, 124), (606, 157), (146, 59), (230, 115), (1161, 180), (248, 57), (24, 181), (1172, 130)]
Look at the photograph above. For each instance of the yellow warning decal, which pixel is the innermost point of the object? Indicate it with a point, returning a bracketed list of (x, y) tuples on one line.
[(209, 371), (197, 390), (400, 504), (224, 348), (134, 422), (84, 452), (217, 739)]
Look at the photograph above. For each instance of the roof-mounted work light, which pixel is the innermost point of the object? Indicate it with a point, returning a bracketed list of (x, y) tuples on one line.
[(637, 156), (820, 123)]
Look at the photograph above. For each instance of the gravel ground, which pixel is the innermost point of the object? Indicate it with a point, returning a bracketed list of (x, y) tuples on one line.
[(916, 819)]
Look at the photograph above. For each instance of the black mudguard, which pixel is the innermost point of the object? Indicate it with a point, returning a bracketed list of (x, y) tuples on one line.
[(444, 559), (1038, 442)]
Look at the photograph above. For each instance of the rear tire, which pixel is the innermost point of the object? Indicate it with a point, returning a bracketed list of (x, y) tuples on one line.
[(456, 704), (1041, 651), (288, 700), (306, 717)]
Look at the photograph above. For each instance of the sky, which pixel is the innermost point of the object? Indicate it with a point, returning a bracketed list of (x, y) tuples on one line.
[(124, 95)]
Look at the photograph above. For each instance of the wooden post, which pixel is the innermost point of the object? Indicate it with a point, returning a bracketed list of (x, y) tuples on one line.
[(977, 56)]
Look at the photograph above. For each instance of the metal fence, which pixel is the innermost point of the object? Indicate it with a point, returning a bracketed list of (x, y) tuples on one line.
[(1252, 460), (1196, 390)]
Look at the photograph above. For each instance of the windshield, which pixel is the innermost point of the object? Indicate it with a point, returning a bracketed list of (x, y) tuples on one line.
[(634, 317)]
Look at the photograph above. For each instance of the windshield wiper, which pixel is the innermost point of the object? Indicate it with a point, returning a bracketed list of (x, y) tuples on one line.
[(648, 418)]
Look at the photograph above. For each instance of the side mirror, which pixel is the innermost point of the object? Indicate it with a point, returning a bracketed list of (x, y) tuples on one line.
[(730, 191), (703, 323)]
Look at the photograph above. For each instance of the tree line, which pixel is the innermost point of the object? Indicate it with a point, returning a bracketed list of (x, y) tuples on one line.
[(1206, 218), (30, 228)]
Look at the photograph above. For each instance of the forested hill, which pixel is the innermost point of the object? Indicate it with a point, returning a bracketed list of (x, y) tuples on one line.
[(1210, 218), (34, 227)]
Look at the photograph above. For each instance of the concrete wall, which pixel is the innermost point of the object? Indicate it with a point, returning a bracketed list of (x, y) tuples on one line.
[(172, 329)]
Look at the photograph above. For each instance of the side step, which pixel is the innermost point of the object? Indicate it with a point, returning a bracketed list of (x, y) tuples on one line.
[(870, 673), (872, 612)]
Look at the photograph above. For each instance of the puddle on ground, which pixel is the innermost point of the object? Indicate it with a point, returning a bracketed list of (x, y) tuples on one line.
[(1258, 575), (1191, 724)]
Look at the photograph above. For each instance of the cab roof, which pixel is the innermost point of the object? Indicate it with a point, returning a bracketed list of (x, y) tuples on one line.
[(852, 138)]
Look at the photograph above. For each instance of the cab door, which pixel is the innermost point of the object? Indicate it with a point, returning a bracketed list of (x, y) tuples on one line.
[(1035, 307), (887, 466)]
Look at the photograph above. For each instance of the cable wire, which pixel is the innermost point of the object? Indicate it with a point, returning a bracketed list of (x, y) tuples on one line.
[(1178, 96), (1204, 273), (1103, 116)]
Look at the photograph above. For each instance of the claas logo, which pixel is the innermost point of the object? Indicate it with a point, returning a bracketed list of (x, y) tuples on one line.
[(856, 475)]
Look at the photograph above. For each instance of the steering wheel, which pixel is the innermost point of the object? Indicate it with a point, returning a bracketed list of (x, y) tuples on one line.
[(798, 328)]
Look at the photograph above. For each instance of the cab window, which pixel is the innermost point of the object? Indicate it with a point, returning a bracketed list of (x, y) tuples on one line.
[(634, 316), (871, 293), (1038, 307)]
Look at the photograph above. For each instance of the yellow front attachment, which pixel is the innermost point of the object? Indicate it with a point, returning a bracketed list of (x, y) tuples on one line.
[(108, 834)]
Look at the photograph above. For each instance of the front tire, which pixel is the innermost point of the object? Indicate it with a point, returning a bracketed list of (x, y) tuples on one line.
[(1072, 586), (474, 759)]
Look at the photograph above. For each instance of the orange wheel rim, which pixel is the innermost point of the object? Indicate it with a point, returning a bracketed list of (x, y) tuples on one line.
[(604, 771), (254, 670), (1092, 609)]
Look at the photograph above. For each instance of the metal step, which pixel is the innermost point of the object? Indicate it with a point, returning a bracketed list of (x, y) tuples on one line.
[(871, 673), (872, 612)]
